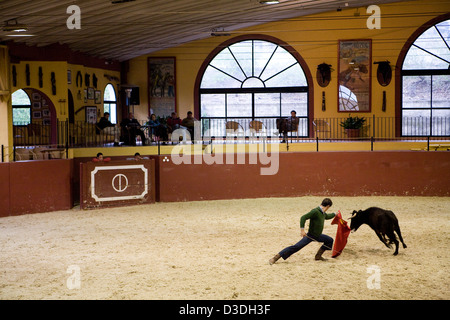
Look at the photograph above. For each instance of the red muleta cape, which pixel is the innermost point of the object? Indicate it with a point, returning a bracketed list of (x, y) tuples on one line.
[(342, 233)]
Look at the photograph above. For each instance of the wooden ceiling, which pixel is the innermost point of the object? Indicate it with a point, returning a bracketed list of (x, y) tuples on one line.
[(126, 30)]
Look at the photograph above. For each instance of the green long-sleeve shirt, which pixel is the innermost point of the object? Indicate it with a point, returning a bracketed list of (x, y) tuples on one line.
[(316, 221)]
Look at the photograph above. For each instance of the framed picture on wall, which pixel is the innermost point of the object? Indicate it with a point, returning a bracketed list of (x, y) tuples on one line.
[(354, 73), (98, 96), (161, 85), (90, 93), (36, 96), (91, 114), (37, 115)]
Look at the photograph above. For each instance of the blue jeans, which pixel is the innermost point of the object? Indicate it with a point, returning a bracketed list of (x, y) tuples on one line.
[(327, 244)]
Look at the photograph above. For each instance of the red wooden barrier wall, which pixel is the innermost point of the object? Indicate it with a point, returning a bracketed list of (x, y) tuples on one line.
[(310, 173), (39, 186), (35, 186)]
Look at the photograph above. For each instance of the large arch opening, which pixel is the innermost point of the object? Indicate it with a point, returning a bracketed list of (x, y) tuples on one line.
[(34, 118), (253, 78), (423, 82)]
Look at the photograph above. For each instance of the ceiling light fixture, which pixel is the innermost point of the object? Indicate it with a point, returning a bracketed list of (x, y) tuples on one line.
[(269, 1), (219, 32), (13, 26), (120, 1), (339, 9), (19, 35)]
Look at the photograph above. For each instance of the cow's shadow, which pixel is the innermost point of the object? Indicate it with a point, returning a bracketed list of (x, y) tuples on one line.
[(355, 252)]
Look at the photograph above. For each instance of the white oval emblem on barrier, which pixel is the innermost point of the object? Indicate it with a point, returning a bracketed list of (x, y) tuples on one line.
[(117, 181), (119, 184)]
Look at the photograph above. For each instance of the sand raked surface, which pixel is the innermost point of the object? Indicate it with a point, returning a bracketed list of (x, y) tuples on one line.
[(220, 250)]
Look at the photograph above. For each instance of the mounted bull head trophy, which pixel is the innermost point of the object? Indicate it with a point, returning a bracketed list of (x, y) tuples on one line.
[(384, 73), (323, 74)]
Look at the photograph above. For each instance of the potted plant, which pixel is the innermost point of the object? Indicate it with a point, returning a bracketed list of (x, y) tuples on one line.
[(352, 125)]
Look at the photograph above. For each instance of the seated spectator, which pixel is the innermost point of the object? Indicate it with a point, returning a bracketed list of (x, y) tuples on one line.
[(189, 123), (100, 158), (173, 122), (288, 124), (137, 157), (105, 126), (158, 129), (132, 128)]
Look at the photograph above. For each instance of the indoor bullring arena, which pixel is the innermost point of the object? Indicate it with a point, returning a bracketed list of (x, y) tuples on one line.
[(224, 150)]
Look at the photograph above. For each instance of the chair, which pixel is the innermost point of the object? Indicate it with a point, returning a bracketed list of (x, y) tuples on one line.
[(22, 154), (232, 128), (256, 126), (38, 154), (286, 125), (294, 128), (322, 127), (130, 133)]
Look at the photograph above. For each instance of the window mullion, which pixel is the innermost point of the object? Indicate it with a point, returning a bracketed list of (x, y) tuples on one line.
[(280, 72), (268, 61), (225, 73), (443, 39), (242, 70), (253, 58), (431, 105), (434, 55)]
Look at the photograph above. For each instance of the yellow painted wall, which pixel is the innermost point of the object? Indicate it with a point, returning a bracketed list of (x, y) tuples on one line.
[(78, 91), (4, 128), (5, 95), (60, 100), (315, 38), (60, 70), (249, 148)]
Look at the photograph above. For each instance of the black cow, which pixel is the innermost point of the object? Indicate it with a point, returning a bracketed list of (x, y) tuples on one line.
[(383, 222)]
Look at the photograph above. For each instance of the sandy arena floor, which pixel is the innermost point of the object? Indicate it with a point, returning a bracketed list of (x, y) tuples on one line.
[(220, 250)]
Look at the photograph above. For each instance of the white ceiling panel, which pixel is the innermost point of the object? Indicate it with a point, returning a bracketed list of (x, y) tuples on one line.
[(127, 30)]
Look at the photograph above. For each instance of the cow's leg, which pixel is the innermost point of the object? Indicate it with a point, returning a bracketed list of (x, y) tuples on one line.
[(397, 229), (382, 239), (393, 239)]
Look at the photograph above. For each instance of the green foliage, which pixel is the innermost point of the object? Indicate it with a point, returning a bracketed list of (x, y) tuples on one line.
[(353, 122)]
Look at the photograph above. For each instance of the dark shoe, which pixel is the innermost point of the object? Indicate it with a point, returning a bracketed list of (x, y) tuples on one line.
[(274, 259), (319, 255)]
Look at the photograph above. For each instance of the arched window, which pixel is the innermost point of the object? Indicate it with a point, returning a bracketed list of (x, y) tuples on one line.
[(110, 102), (426, 84), (21, 105), (253, 80)]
